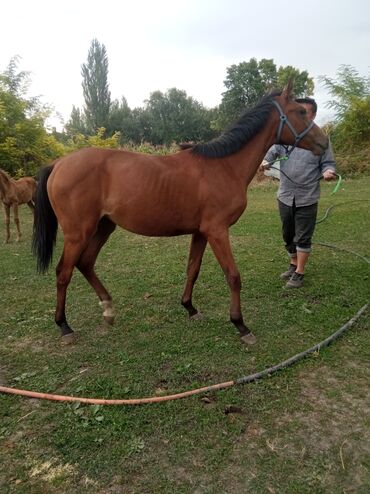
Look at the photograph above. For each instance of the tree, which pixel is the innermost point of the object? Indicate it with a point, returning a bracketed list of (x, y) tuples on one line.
[(303, 84), (76, 123), (345, 88), (24, 142), (175, 117), (123, 120), (247, 82), (351, 103), (95, 87)]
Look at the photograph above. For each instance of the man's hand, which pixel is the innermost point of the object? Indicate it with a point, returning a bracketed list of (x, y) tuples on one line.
[(329, 175), (265, 165)]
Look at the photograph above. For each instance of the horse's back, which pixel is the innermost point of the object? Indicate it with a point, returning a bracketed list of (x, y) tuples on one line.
[(146, 194)]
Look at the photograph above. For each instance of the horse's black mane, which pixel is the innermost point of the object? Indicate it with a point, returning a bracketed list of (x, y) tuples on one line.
[(233, 138)]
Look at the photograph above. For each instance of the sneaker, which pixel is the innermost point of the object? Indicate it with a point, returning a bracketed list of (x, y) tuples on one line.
[(296, 281), (287, 274)]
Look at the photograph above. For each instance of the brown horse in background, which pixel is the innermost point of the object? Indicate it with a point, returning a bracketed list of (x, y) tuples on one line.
[(201, 191), (12, 194)]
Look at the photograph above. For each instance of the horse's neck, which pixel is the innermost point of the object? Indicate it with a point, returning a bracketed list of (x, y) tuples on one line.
[(2, 186), (250, 157), (5, 184)]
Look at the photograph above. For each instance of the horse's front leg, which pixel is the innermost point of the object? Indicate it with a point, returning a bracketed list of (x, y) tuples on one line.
[(220, 244), (197, 247), (16, 221), (7, 222)]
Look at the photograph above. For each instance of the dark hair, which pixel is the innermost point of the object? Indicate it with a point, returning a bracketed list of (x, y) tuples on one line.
[(308, 101)]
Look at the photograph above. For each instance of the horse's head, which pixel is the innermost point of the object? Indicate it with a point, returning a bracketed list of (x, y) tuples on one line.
[(295, 127)]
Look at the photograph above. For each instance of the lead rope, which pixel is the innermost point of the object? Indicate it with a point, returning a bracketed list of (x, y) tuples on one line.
[(269, 165)]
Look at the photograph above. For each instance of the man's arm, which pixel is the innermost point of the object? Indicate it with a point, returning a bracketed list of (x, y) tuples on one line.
[(271, 155), (327, 164)]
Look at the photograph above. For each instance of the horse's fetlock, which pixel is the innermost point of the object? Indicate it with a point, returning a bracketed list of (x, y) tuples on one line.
[(108, 312)]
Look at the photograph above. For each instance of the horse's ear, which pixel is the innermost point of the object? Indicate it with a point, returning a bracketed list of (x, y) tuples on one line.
[(288, 90)]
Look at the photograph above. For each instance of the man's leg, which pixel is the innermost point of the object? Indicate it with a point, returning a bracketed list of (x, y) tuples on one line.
[(302, 258), (287, 229), (305, 221)]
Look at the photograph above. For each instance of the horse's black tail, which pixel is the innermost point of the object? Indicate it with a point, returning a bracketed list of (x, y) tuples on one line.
[(45, 225)]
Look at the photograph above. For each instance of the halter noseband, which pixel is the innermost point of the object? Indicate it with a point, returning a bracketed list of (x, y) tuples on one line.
[(284, 120)]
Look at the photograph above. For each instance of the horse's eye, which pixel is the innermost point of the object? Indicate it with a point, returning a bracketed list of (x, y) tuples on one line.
[(303, 112)]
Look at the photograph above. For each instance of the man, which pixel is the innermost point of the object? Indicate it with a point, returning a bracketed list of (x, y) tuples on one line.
[(298, 198)]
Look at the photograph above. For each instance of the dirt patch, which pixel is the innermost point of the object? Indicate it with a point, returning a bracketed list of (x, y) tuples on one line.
[(322, 441), (332, 427)]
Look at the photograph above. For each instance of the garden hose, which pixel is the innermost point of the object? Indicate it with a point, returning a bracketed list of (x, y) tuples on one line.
[(227, 384)]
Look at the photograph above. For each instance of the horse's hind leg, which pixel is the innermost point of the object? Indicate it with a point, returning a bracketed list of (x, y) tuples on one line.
[(16, 221), (86, 266), (71, 253), (7, 222), (197, 247)]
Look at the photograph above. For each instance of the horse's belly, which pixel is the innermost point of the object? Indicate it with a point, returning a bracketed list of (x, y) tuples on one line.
[(165, 223)]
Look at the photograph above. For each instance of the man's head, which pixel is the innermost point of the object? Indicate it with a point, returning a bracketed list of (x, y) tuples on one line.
[(310, 105)]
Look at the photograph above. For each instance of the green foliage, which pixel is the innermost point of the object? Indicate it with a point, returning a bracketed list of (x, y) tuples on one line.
[(95, 87), (175, 117), (350, 131), (247, 82), (122, 119), (303, 84), (347, 87), (24, 142), (353, 129), (77, 123), (98, 140), (148, 148), (354, 163)]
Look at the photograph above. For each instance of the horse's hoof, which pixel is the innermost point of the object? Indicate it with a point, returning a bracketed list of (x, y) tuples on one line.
[(196, 317), (249, 339), (109, 320), (68, 339)]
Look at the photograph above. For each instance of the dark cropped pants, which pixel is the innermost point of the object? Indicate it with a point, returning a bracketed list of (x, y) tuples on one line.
[(298, 225)]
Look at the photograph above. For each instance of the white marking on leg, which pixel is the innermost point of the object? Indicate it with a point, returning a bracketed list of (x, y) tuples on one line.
[(108, 308)]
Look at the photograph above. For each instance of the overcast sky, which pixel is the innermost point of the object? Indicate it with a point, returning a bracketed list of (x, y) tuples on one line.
[(187, 44)]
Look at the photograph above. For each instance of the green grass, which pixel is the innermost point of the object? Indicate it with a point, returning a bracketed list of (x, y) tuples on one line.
[(304, 430)]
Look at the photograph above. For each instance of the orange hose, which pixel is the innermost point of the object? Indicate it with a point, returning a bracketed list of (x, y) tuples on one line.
[(99, 401), (213, 387), (185, 394)]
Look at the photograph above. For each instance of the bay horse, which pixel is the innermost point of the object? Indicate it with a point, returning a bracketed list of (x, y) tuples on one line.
[(12, 194), (200, 190)]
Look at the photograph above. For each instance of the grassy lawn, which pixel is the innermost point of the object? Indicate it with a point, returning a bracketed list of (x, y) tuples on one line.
[(303, 430)]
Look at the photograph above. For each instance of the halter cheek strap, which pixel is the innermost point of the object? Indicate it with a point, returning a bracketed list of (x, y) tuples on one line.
[(284, 120)]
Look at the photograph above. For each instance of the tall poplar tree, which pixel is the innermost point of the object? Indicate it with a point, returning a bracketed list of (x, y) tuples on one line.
[(95, 87)]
